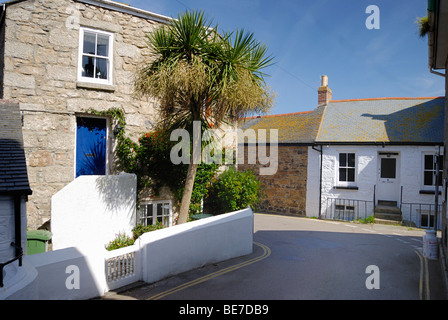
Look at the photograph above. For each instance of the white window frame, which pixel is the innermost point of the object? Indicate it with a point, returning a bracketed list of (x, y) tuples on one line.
[(430, 187), (346, 183), (107, 81), (144, 215)]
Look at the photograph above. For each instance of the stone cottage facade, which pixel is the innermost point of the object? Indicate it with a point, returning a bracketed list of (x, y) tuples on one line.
[(60, 59), (285, 189)]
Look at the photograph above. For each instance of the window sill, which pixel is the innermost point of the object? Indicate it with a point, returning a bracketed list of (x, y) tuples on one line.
[(95, 86), (429, 192), (346, 188)]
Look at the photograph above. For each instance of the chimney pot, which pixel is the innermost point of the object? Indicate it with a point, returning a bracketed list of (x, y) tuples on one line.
[(324, 81), (324, 94)]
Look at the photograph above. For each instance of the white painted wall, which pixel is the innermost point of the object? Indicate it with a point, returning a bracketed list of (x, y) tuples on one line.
[(187, 246), (18, 282), (313, 183), (92, 210), (159, 253), (7, 227), (411, 174)]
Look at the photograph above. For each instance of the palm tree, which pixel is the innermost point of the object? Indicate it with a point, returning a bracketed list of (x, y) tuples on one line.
[(199, 75), (423, 26)]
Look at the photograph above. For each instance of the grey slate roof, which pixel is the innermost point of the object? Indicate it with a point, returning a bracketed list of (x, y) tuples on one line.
[(13, 172), (293, 128), (388, 120)]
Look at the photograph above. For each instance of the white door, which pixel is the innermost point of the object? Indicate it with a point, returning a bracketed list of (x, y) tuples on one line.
[(388, 184)]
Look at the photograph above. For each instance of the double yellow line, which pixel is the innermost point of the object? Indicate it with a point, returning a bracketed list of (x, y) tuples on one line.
[(266, 253), (424, 292)]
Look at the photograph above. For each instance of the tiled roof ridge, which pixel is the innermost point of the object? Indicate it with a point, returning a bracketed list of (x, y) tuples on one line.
[(388, 98), (277, 115)]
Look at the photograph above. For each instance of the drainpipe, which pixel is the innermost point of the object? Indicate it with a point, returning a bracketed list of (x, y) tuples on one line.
[(436, 199), (321, 150), (18, 228)]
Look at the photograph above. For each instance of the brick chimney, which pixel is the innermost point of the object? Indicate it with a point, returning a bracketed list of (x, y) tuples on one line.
[(324, 93)]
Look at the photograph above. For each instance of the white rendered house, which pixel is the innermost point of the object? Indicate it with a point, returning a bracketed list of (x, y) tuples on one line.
[(378, 157)]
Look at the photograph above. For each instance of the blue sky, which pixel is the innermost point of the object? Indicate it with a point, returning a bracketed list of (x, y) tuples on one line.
[(325, 37)]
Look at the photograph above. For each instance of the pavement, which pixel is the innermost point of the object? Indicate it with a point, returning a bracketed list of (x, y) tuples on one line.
[(309, 259)]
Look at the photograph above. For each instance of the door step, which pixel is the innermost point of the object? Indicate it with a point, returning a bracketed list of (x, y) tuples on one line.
[(387, 203), (387, 214)]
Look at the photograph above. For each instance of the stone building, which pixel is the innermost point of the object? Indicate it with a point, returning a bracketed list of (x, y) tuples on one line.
[(351, 159), (285, 190), (60, 59)]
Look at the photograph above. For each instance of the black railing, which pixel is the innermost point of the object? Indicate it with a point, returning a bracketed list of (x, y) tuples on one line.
[(422, 215), (347, 209), (19, 255)]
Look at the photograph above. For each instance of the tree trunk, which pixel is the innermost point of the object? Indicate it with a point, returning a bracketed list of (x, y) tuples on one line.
[(195, 159), (188, 190)]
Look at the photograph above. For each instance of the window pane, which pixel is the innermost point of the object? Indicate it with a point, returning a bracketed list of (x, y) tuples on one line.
[(342, 174), (101, 68), (441, 163), (388, 167), (89, 43), (428, 181), (351, 175), (429, 162), (102, 45), (440, 180), (159, 210), (166, 209), (342, 159), (87, 66), (351, 160), (149, 214)]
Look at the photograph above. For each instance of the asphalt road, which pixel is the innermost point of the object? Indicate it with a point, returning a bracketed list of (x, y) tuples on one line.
[(300, 258)]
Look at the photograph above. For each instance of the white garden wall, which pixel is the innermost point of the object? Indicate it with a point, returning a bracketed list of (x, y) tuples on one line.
[(158, 254), (92, 210), (191, 245)]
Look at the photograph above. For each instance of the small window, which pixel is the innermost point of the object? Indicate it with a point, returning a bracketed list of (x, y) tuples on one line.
[(347, 167), (429, 170), (95, 56), (156, 211), (388, 168)]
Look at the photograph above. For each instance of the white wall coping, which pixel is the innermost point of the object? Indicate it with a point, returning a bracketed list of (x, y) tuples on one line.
[(158, 254)]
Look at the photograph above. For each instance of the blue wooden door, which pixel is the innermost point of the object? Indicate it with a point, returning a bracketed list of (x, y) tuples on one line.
[(91, 137)]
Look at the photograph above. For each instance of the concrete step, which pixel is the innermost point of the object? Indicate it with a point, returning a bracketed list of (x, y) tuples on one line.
[(387, 203), (387, 209), (387, 221), (385, 214)]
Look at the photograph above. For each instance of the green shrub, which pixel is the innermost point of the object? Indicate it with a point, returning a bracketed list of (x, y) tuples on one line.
[(120, 241), (141, 229), (234, 190)]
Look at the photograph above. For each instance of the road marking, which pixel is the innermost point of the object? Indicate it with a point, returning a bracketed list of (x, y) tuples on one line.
[(266, 253), (424, 278)]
